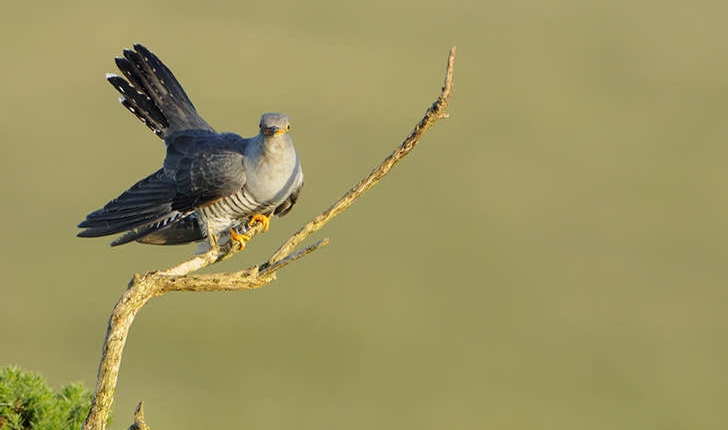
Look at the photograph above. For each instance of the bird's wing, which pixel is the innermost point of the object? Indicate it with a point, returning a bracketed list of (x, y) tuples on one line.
[(148, 202), (198, 170), (204, 167)]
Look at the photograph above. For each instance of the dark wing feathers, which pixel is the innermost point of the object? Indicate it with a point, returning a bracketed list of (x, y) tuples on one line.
[(155, 203), (203, 168), (215, 174), (147, 202)]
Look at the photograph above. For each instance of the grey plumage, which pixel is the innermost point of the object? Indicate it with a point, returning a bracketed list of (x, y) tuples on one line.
[(209, 182)]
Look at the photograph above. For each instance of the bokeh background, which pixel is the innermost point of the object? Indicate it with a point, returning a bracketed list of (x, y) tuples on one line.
[(552, 256)]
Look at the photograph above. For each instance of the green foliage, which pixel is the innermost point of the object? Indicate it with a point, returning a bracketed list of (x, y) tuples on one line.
[(26, 402)]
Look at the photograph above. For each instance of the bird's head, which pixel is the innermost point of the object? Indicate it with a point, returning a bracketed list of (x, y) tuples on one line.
[(272, 124)]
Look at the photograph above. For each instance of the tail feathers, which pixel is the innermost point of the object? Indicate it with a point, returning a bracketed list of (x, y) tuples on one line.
[(132, 235), (153, 94), (140, 105), (185, 230), (148, 204), (152, 233)]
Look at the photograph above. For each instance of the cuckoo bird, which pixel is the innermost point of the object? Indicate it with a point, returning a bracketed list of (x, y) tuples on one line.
[(211, 185)]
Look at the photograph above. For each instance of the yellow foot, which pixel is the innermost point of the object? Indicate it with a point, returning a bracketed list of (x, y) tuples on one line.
[(239, 238), (261, 219)]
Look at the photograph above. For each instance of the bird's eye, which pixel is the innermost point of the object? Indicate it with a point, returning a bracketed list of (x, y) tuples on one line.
[(288, 127)]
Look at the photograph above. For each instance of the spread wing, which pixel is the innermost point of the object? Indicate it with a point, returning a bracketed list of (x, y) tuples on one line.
[(198, 170)]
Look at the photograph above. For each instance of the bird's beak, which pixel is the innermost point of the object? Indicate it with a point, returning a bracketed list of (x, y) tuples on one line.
[(270, 131)]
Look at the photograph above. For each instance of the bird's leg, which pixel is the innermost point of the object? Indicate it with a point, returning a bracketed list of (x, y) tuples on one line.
[(239, 238), (261, 219), (212, 238)]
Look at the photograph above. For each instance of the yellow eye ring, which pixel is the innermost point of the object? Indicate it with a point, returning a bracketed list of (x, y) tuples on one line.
[(288, 127)]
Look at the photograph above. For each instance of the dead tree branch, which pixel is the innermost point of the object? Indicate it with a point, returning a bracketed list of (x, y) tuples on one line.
[(179, 278), (139, 423)]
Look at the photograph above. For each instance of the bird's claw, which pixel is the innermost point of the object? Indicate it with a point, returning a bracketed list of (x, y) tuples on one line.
[(261, 219), (239, 238)]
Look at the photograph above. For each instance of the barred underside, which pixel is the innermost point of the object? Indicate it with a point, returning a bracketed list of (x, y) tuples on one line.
[(230, 211)]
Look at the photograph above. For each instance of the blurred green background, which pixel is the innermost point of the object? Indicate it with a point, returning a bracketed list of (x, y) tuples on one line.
[(552, 256)]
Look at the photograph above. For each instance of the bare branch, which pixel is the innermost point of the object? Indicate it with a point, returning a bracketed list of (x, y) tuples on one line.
[(139, 423), (267, 267), (178, 278), (435, 112)]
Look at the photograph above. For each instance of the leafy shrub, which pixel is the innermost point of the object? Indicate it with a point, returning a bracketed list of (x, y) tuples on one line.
[(26, 402)]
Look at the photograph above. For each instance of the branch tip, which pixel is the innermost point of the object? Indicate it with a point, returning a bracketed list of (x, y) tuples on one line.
[(139, 423)]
